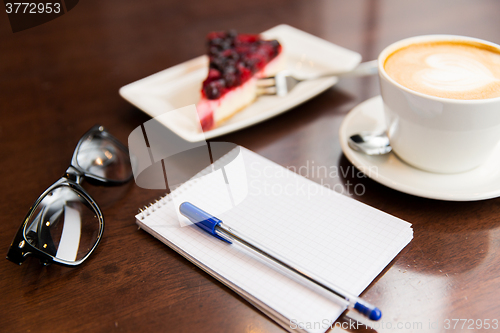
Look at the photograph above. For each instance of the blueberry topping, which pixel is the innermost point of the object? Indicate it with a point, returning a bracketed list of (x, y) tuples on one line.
[(214, 89), (213, 74), (234, 58)]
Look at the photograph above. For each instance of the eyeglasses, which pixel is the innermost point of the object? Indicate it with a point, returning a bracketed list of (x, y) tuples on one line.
[(65, 224)]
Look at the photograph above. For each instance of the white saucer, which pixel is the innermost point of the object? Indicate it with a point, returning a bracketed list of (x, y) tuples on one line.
[(480, 183)]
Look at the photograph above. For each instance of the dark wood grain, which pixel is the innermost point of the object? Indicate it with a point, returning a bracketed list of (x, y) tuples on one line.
[(60, 78)]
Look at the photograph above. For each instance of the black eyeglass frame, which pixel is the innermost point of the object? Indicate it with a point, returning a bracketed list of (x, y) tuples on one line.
[(21, 248)]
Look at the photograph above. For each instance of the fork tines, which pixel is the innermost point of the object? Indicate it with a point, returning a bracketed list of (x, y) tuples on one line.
[(266, 86)]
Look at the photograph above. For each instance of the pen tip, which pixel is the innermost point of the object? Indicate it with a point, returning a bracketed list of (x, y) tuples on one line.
[(375, 314), (368, 310)]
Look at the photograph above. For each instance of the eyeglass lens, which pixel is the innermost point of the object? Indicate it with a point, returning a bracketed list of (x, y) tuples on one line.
[(101, 156), (63, 225)]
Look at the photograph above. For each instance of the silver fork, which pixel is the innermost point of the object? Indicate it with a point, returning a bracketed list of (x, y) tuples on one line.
[(283, 82)]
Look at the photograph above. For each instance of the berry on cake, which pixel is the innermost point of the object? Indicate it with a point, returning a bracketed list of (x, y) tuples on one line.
[(236, 61)]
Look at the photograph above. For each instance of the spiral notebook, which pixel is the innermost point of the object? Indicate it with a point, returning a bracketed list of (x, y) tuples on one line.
[(331, 235)]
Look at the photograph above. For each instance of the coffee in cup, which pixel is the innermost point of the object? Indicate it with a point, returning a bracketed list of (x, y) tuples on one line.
[(441, 98), (456, 70)]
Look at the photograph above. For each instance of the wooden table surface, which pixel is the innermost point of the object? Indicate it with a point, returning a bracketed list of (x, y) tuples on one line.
[(60, 78)]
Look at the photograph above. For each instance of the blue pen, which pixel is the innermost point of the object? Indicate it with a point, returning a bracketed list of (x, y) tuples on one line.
[(215, 227)]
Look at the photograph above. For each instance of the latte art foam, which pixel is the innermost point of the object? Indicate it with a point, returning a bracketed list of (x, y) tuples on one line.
[(446, 69), (454, 73)]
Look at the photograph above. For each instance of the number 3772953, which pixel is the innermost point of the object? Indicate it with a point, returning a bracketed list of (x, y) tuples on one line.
[(32, 8), (471, 324)]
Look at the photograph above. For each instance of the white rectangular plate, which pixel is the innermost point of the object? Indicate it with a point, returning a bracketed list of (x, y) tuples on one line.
[(179, 86)]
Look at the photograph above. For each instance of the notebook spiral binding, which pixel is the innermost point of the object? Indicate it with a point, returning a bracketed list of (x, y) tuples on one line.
[(165, 199)]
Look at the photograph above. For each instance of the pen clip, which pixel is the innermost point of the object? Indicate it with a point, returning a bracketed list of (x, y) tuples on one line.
[(202, 219)]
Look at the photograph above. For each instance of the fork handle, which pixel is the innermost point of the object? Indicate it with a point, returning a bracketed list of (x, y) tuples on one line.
[(363, 69)]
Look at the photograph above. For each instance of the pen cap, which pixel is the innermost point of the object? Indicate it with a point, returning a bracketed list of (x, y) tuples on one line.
[(201, 218)]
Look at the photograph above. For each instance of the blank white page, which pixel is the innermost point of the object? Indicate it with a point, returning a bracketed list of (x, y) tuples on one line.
[(332, 236)]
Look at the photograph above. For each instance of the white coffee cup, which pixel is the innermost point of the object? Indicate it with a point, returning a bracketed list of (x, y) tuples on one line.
[(438, 134)]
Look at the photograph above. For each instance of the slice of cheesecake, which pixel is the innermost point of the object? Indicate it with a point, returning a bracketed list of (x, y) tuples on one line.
[(236, 62)]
